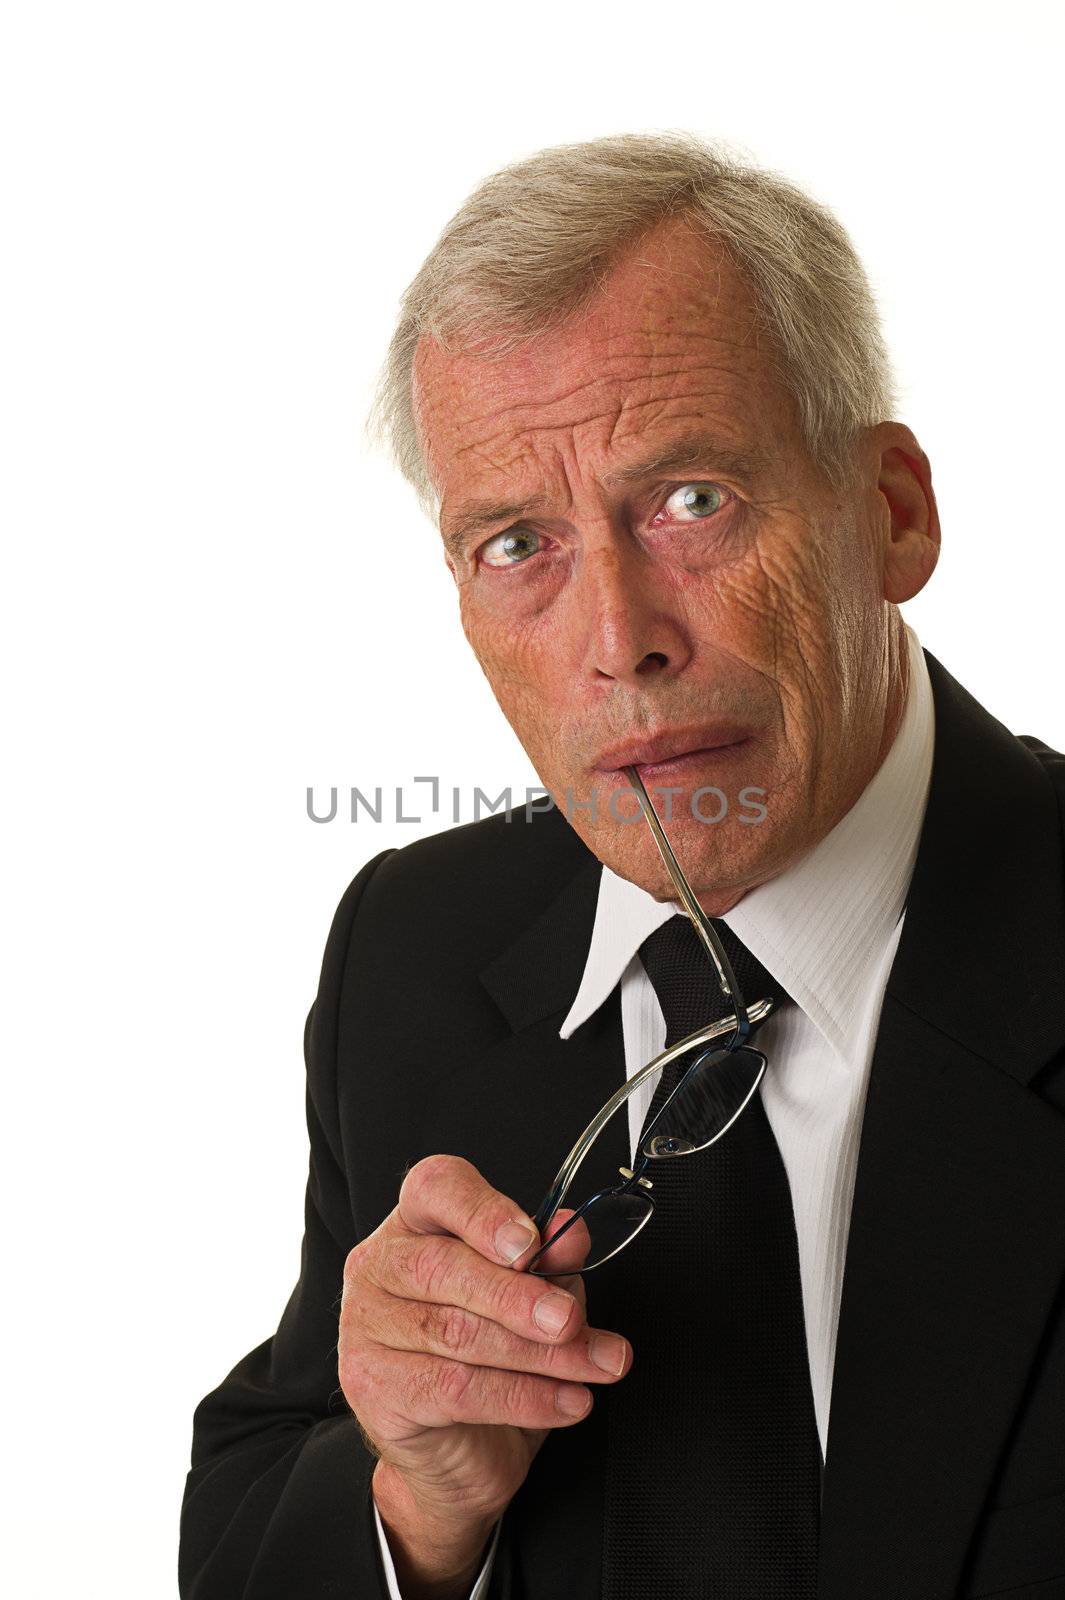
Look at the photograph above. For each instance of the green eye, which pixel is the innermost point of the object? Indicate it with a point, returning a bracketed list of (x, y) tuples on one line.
[(695, 501), (510, 548)]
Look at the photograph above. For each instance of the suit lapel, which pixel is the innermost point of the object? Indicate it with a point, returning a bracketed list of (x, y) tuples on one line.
[(957, 1236), (554, 1086)]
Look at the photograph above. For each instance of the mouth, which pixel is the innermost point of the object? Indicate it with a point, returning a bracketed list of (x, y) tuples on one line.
[(675, 755)]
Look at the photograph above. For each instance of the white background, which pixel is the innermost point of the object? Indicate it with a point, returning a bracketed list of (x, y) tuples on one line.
[(213, 596)]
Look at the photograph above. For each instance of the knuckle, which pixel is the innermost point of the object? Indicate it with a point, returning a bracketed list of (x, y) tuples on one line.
[(527, 1399), (355, 1376), (422, 1396), (556, 1360), (352, 1297), (429, 1175), (426, 1264), (485, 1209), (449, 1327), (397, 1256), (453, 1380), (355, 1261), (512, 1299), (359, 1261)]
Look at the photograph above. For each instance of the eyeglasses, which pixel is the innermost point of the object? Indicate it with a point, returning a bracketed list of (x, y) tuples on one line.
[(713, 1087)]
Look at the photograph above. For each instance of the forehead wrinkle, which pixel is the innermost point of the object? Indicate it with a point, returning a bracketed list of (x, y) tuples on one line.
[(526, 420), (660, 355), (498, 413)]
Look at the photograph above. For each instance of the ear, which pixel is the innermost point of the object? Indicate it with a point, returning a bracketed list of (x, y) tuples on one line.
[(910, 516)]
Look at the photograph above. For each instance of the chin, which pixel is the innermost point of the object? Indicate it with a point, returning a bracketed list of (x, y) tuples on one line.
[(719, 869)]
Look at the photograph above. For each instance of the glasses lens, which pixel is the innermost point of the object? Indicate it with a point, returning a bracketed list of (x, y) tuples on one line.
[(706, 1102), (595, 1233)]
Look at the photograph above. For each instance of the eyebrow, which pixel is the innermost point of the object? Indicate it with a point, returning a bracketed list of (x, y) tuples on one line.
[(480, 514), (693, 450), (676, 455)]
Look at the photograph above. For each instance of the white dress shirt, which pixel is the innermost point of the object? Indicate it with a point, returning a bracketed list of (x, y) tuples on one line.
[(827, 930)]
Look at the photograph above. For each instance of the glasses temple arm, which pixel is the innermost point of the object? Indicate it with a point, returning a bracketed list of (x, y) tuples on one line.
[(700, 922)]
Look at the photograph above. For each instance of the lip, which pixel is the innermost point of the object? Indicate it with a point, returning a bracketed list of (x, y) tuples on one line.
[(672, 745)]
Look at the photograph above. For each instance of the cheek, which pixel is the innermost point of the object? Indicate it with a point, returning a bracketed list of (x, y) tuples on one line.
[(780, 614), (518, 638), (537, 694), (524, 669), (767, 610)]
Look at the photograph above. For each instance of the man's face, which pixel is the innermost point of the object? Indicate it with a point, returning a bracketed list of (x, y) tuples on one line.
[(651, 569)]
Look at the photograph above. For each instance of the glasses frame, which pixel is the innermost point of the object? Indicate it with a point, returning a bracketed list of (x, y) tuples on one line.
[(739, 1026)]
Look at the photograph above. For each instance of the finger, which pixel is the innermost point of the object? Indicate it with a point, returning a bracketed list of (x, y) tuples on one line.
[(574, 1285), (572, 1282), (390, 1391), (446, 1194), (571, 1250), (592, 1356), (445, 1271)]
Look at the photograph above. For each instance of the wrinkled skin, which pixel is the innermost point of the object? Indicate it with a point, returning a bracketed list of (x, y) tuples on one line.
[(618, 610)]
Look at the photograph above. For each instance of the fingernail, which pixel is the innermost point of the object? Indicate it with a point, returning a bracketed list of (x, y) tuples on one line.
[(512, 1238), (551, 1311), (608, 1352), (573, 1402)]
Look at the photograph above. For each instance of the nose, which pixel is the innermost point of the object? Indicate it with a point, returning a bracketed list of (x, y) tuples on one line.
[(631, 625)]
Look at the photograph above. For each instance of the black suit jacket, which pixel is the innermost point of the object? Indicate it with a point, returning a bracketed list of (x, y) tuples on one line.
[(448, 969)]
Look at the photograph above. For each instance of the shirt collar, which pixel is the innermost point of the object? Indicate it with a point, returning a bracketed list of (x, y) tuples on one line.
[(822, 926)]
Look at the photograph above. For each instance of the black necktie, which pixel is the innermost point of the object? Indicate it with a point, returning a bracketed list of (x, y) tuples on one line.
[(714, 1465)]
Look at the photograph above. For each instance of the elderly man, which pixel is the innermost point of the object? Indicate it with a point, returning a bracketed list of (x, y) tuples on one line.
[(643, 390)]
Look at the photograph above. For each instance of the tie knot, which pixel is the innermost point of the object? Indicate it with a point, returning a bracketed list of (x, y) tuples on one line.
[(685, 980)]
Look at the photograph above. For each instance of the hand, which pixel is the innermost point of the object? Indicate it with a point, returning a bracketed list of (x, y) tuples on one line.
[(457, 1363)]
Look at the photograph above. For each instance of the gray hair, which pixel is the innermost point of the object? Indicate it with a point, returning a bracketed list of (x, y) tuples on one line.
[(533, 243)]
